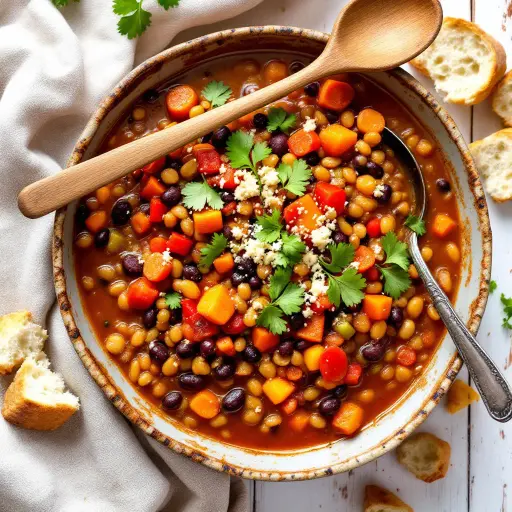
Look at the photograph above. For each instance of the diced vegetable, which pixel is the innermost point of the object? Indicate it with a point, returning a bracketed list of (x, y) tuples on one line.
[(336, 139), (96, 221), (263, 339), (225, 181), (180, 100), (303, 212), (158, 244), (313, 331), (349, 418), (289, 405), (103, 194), (229, 209), (205, 404), (208, 161), (278, 390), (226, 346), (312, 357), (327, 195), (209, 221), (179, 244), (116, 242), (151, 188), (202, 329), (372, 274), (443, 225), (333, 364), (301, 143), (154, 167), (235, 324), (203, 146), (140, 223), (156, 267), (377, 307), (365, 257), (216, 305), (354, 373), (157, 210), (406, 356), (373, 228), (322, 303), (141, 293), (299, 421), (246, 120), (345, 329), (369, 120), (335, 95), (224, 263), (460, 395)]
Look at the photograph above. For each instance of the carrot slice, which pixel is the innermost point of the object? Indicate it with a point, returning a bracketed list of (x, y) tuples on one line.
[(152, 188), (443, 225), (406, 356), (377, 307), (226, 346), (224, 263), (299, 421), (301, 143), (158, 244), (157, 267), (348, 419), (96, 221), (369, 120), (205, 404), (180, 100), (337, 139), (365, 257), (209, 221), (335, 95), (140, 223), (263, 339)]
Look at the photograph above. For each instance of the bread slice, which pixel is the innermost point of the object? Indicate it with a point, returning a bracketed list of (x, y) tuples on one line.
[(493, 159), (36, 398), (19, 337), (377, 499), (426, 456), (502, 99), (464, 61), (460, 396)]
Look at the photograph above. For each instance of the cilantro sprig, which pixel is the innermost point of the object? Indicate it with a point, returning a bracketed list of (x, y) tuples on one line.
[(492, 286), (295, 178), (395, 268), (344, 285), (61, 3), (287, 298), (415, 224), (173, 300), (213, 250), (279, 119), (506, 302), (243, 153), (217, 93), (198, 194)]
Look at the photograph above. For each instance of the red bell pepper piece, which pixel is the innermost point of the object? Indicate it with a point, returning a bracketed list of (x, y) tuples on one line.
[(373, 228), (202, 328), (179, 244), (141, 293), (353, 376), (235, 324), (158, 244), (154, 167), (151, 188), (328, 195), (321, 304), (333, 364), (229, 209), (208, 161), (157, 209), (225, 181)]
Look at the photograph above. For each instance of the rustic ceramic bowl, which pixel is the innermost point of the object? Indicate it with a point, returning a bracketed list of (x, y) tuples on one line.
[(390, 428)]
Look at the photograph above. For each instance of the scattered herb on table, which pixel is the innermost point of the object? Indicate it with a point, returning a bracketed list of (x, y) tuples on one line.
[(492, 286), (507, 311)]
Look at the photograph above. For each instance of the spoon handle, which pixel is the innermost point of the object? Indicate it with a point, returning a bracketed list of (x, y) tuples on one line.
[(492, 386), (57, 190)]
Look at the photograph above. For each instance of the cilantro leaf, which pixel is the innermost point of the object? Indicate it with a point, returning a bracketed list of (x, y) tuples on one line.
[(291, 300), (292, 249), (133, 25), (173, 300), (341, 256), (278, 282), (196, 195), (507, 310), (217, 93), (259, 153), (295, 178), (122, 7), (213, 250), (415, 224), (278, 119), (396, 251), (396, 280), (270, 227), (239, 147), (492, 286), (346, 288), (271, 318), (62, 3), (168, 3)]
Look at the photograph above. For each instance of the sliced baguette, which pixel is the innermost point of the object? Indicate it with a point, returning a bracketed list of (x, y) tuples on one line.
[(19, 337), (493, 159), (377, 499), (426, 456), (502, 99), (464, 62), (36, 398)]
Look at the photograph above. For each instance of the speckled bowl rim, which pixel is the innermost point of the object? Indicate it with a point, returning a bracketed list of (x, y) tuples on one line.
[(101, 376)]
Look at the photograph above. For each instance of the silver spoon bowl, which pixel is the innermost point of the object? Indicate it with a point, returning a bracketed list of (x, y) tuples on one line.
[(495, 391)]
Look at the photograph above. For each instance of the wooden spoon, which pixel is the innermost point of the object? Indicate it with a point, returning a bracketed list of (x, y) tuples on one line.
[(367, 36)]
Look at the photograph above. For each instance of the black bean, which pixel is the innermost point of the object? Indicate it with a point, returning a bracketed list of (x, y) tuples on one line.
[(237, 278), (296, 321), (234, 400), (158, 352), (207, 349), (329, 405), (172, 196), (375, 170), (374, 350), (443, 185), (149, 318), (150, 96), (332, 117), (286, 348), (220, 137), (251, 354), (192, 273), (224, 371), (279, 144), (131, 265), (312, 158), (396, 317), (246, 266), (255, 282), (340, 391), (82, 212), (339, 238), (296, 66), (206, 138), (174, 163), (185, 350), (260, 121), (121, 212), (226, 231), (312, 89), (385, 194), (102, 237), (144, 208), (359, 164), (172, 400), (192, 382), (227, 197), (302, 345)]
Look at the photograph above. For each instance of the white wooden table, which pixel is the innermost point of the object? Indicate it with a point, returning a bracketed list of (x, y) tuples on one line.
[(480, 477)]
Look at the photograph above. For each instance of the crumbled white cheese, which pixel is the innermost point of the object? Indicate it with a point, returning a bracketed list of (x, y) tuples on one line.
[(222, 169), (166, 256), (318, 287), (309, 125), (309, 258), (308, 313), (379, 191), (140, 259), (255, 249), (321, 237), (222, 182), (269, 176), (355, 264), (237, 232), (377, 249), (257, 306), (248, 186), (162, 294)]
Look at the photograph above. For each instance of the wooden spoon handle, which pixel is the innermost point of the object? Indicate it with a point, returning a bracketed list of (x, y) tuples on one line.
[(55, 191)]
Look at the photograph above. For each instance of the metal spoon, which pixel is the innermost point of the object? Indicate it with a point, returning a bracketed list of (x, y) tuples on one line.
[(495, 391)]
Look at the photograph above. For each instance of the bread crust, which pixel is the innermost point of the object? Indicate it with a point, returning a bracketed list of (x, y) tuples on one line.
[(505, 80), (377, 498), (23, 412), (499, 60)]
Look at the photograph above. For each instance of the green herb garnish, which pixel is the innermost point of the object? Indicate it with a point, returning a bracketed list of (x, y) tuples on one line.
[(198, 194), (243, 153), (213, 250), (295, 177), (415, 224), (173, 300), (217, 93), (507, 310), (492, 286), (279, 119), (395, 269)]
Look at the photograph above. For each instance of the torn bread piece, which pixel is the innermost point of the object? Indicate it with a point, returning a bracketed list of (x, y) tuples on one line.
[(502, 99), (493, 159), (378, 499), (426, 456), (19, 338), (36, 398), (464, 62)]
